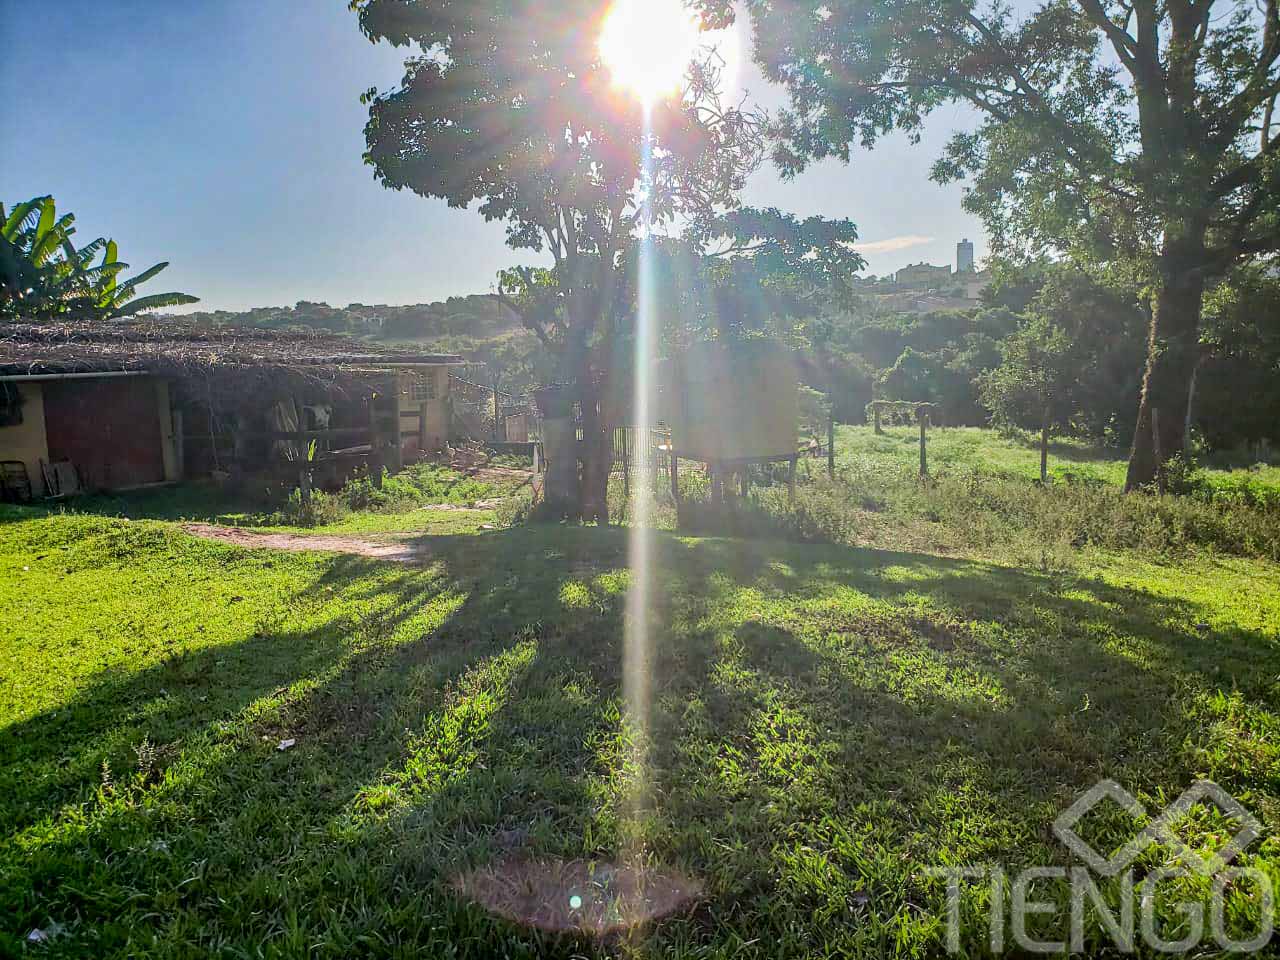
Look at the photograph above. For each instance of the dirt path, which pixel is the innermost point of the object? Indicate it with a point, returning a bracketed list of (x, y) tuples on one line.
[(298, 543)]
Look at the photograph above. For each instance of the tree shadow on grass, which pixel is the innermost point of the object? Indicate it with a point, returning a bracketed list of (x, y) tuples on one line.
[(826, 722)]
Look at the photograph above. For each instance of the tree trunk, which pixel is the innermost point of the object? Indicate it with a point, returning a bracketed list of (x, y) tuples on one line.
[(1172, 350), (924, 440), (597, 448)]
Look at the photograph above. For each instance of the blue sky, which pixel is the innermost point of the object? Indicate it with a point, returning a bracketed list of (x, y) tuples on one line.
[(225, 136)]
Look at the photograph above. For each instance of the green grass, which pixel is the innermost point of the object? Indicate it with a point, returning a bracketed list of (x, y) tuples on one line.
[(826, 724), (408, 502), (987, 452), (438, 522)]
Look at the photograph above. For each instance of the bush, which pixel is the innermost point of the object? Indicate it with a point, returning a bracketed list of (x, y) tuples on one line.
[(516, 510), (418, 486), (323, 508)]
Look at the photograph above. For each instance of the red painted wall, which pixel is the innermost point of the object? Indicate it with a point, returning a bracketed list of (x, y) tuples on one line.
[(110, 429)]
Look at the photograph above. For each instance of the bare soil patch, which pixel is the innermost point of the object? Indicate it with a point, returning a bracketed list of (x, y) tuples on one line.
[(300, 543)]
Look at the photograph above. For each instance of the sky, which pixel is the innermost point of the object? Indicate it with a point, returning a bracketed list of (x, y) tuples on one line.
[(225, 136)]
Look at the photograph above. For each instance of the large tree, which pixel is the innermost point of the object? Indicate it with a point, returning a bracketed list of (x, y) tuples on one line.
[(1139, 133), (507, 104)]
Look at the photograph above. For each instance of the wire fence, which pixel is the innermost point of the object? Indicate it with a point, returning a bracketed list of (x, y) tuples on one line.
[(483, 414)]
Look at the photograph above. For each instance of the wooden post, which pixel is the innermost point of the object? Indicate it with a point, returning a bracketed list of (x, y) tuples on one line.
[(1044, 451), (375, 444), (923, 417), (831, 445), (395, 444), (422, 428), (497, 414), (626, 465), (675, 478)]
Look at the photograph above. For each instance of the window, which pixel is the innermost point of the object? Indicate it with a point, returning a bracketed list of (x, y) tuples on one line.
[(423, 389)]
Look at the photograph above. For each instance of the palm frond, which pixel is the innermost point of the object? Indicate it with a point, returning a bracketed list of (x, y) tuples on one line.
[(85, 255), (23, 217), (153, 302), (129, 286)]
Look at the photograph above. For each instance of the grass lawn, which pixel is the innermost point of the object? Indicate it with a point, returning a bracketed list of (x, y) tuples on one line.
[(826, 724), (972, 448)]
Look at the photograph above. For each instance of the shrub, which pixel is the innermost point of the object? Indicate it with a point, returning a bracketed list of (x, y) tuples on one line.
[(516, 510), (420, 485), (323, 508)]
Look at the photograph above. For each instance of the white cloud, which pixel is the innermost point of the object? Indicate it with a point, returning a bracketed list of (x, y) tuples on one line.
[(893, 244)]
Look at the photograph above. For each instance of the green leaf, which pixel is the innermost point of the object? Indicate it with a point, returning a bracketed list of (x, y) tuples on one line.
[(128, 288), (153, 302), (48, 212), (22, 217)]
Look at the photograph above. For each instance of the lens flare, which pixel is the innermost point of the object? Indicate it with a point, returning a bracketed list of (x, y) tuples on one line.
[(640, 547), (648, 46)]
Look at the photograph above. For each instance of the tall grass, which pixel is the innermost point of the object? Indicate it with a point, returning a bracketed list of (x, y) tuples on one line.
[(965, 510)]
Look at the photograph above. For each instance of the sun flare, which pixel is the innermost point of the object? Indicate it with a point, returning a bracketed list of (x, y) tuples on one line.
[(648, 46)]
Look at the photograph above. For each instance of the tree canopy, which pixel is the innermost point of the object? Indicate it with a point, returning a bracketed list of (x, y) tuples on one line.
[(508, 105), (1132, 133)]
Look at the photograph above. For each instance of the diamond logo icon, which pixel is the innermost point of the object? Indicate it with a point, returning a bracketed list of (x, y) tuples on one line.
[(1164, 827), (1102, 865)]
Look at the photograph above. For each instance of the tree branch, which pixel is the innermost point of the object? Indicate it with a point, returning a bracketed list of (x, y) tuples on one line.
[(1124, 45)]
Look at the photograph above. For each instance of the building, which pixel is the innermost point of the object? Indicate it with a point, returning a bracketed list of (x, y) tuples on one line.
[(121, 406), (964, 256), (975, 283), (923, 275)]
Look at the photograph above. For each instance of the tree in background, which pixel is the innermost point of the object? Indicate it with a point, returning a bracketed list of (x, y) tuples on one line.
[(1234, 396), (43, 276), (1036, 384), (1131, 133), (508, 104)]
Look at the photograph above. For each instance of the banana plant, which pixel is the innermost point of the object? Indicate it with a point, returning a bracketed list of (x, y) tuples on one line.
[(116, 300), (34, 280), (44, 276)]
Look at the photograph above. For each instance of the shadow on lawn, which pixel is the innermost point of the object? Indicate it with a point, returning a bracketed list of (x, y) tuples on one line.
[(778, 728)]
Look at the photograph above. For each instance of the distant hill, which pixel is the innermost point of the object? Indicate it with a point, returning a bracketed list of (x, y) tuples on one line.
[(479, 317), (477, 328)]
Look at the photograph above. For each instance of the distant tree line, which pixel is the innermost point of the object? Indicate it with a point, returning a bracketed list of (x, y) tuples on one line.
[(1058, 350)]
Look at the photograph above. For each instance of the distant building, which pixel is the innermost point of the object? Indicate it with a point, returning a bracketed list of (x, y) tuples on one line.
[(964, 256), (975, 283), (924, 275)]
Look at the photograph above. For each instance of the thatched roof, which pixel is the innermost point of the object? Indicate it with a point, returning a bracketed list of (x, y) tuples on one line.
[(181, 349)]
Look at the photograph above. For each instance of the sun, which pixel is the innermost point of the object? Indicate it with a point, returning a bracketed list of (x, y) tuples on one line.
[(648, 46)]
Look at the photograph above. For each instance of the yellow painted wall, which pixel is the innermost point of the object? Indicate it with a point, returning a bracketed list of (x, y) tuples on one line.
[(437, 408), (27, 441)]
